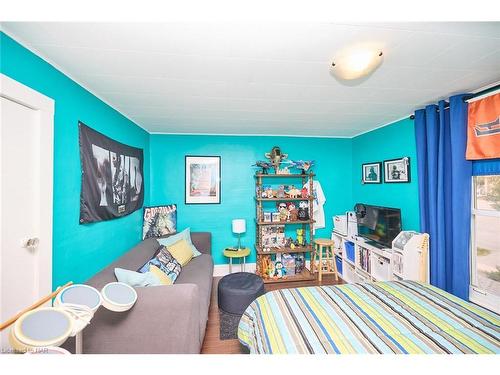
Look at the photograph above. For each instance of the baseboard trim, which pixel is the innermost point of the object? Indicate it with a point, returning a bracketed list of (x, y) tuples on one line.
[(223, 269)]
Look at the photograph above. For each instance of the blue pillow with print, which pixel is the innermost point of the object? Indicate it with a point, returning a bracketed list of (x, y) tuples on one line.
[(165, 262)]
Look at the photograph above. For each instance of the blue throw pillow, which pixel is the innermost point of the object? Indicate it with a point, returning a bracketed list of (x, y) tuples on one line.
[(184, 235), (133, 278)]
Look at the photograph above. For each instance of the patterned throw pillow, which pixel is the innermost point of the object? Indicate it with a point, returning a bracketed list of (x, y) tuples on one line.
[(165, 262)]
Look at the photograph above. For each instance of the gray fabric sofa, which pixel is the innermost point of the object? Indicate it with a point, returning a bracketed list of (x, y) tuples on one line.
[(165, 319)]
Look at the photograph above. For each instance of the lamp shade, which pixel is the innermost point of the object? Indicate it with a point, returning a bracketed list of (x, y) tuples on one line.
[(239, 226), (356, 62)]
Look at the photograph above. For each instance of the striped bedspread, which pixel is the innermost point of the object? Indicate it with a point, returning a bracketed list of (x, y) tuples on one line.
[(383, 317)]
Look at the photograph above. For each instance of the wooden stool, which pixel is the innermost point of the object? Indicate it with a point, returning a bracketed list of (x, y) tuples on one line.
[(323, 252)]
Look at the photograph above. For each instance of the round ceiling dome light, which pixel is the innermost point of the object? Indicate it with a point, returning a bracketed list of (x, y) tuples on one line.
[(356, 63)]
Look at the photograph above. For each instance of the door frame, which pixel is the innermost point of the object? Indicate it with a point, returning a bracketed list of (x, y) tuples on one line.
[(44, 106)]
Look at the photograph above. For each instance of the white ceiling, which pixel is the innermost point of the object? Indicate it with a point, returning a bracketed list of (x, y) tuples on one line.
[(265, 78)]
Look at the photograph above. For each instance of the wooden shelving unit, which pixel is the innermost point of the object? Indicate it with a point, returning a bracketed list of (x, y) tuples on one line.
[(296, 222), (283, 199), (277, 250), (305, 275), (307, 225)]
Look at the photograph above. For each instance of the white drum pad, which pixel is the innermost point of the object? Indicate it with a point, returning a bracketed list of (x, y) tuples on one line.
[(118, 296)]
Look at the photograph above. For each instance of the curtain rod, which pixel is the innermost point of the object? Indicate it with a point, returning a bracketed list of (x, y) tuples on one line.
[(468, 98)]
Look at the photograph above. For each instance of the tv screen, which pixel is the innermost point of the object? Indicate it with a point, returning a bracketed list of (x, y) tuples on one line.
[(378, 224)]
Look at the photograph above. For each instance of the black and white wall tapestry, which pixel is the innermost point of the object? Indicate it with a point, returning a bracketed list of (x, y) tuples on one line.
[(112, 177)]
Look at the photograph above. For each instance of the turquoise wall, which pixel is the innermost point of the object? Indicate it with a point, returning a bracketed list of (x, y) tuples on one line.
[(333, 169), (390, 142), (79, 251), (82, 250)]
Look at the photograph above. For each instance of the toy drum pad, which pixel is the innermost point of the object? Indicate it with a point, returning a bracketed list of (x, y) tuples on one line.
[(43, 327), (118, 296)]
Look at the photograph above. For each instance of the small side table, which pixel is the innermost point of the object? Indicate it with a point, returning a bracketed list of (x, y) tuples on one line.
[(241, 253)]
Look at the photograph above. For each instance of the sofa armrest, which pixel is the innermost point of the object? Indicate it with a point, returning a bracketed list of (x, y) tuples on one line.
[(165, 319)]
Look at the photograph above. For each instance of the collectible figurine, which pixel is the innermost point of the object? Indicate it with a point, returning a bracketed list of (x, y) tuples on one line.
[(293, 192), (304, 193), (283, 212), (299, 263), (275, 157), (270, 269), (304, 165), (264, 165), (281, 192), (303, 210), (283, 170), (293, 212), (269, 192), (300, 237), (279, 270)]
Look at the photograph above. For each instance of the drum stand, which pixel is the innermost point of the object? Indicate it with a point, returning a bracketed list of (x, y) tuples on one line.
[(79, 342)]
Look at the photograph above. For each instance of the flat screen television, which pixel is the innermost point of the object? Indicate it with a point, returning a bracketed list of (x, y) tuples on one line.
[(379, 225)]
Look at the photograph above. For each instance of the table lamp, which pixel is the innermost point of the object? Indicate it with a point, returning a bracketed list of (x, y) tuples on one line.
[(239, 227)]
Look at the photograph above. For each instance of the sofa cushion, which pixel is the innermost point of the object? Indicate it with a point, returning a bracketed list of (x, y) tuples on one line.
[(165, 262), (184, 235), (199, 271), (181, 251), (162, 276), (133, 278)]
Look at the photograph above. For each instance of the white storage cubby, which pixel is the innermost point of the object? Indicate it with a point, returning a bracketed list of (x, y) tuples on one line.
[(348, 271), (381, 267), (362, 267)]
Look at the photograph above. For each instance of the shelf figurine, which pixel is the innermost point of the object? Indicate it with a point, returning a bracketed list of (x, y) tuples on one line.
[(279, 270), (269, 192), (304, 193), (276, 157), (300, 237), (264, 165), (303, 210), (281, 192), (293, 192), (283, 212), (304, 165), (293, 212)]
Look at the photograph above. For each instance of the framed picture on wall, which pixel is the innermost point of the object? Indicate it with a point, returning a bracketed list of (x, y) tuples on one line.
[(203, 179), (397, 170), (371, 173)]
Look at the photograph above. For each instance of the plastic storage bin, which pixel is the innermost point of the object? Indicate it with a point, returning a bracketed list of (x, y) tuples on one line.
[(338, 261), (349, 250), (381, 268)]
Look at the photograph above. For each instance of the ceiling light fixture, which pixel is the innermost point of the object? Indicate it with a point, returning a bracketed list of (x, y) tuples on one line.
[(356, 63)]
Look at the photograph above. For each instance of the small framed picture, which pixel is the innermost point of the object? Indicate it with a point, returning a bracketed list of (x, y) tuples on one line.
[(397, 170), (203, 181), (371, 173), (267, 217), (275, 216)]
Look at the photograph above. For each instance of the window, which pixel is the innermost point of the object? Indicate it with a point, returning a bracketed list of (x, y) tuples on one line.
[(485, 242)]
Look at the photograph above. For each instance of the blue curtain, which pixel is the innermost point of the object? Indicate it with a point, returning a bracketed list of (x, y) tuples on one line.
[(445, 192)]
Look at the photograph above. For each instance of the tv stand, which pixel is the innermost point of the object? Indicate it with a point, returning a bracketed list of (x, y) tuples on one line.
[(374, 244), (365, 261)]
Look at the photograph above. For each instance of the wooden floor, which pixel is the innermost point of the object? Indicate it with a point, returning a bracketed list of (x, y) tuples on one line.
[(213, 345)]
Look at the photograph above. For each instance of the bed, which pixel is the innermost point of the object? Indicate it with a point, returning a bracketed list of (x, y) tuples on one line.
[(383, 317)]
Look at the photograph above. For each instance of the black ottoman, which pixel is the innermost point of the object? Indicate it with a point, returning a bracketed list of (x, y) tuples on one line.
[(235, 293)]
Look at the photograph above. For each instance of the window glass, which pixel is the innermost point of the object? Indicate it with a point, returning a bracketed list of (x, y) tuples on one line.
[(487, 193)]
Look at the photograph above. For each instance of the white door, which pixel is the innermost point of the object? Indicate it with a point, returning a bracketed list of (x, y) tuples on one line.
[(25, 271)]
